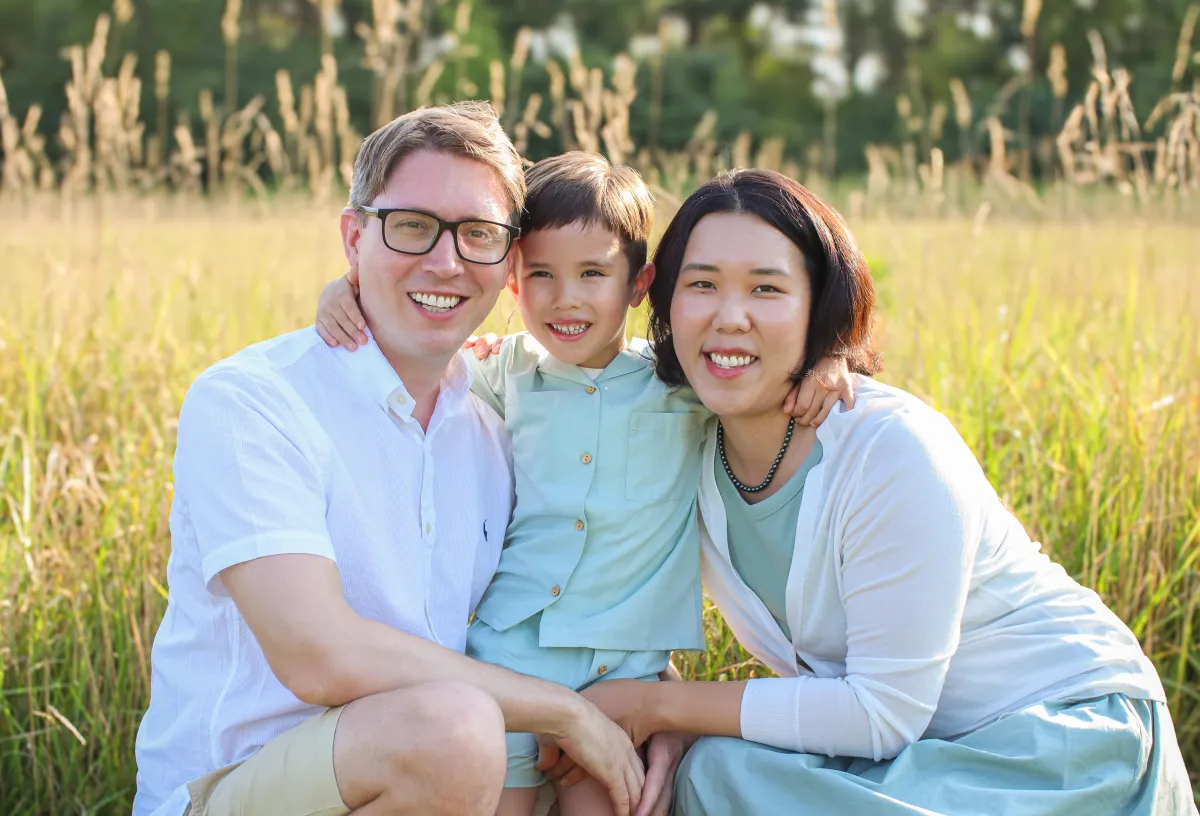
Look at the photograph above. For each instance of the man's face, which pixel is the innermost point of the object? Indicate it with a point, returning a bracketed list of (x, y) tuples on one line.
[(405, 297)]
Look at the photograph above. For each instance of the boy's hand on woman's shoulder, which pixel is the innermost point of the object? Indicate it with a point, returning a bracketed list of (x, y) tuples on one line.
[(828, 383)]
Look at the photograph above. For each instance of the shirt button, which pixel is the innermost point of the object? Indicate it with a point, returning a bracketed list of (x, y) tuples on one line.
[(591, 389), (603, 670), (400, 400), (556, 590), (586, 458), (579, 524)]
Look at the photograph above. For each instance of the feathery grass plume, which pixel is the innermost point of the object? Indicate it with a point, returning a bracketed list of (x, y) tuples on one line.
[(231, 29), (516, 72), (157, 157), (1184, 47)]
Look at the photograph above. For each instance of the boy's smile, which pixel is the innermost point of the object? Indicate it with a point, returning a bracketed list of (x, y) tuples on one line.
[(574, 289)]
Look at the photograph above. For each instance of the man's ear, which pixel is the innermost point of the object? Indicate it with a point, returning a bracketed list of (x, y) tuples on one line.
[(515, 263), (641, 285), (352, 232)]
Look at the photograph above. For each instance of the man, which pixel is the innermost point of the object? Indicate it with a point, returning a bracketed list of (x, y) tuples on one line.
[(336, 518)]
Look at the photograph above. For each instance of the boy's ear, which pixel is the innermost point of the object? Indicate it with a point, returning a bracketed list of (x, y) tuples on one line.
[(513, 286), (641, 285), (352, 233)]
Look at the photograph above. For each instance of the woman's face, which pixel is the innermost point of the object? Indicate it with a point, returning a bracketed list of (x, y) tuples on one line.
[(739, 315)]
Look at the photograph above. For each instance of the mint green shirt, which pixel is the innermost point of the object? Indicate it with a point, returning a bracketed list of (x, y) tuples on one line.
[(762, 536), (604, 538)]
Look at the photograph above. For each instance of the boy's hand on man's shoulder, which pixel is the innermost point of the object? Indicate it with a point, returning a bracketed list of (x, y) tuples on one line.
[(483, 345), (340, 321)]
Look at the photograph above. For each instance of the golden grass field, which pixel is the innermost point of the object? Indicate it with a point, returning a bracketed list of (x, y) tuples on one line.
[(1067, 353)]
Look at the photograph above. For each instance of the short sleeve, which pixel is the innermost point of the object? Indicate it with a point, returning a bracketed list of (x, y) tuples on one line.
[(488, 375), (247, 475)]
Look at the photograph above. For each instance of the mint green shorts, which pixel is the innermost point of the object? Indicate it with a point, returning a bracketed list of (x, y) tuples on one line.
[(518, 649)]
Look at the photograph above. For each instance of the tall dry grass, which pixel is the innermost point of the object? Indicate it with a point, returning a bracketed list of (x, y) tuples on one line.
[(1059, 329)]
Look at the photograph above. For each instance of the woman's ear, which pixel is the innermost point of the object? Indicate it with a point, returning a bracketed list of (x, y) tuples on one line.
[(641, 285)]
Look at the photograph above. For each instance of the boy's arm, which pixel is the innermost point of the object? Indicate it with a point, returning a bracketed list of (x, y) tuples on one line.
[(828, 383), (487, 359), (340, 321)]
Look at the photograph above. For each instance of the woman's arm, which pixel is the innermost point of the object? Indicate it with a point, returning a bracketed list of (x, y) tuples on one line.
[(907, 532), (644, 709)]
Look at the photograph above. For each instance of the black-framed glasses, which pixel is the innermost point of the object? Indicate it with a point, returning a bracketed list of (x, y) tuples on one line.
[(416, 232)]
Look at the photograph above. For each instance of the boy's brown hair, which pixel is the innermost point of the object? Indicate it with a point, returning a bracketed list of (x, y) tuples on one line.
[(467, 129), (584, 188)]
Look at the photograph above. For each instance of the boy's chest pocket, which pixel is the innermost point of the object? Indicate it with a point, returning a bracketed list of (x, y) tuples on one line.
[(662, 460)]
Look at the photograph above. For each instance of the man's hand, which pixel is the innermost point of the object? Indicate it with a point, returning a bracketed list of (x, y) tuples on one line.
[(625, 703), (597, 747)]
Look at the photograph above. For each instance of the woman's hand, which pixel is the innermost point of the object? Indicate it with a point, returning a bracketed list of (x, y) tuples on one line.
[(663, 755), (339, 320), (811, 401)]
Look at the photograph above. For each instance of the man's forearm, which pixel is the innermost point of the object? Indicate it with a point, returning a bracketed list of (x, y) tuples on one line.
[(375, 658)]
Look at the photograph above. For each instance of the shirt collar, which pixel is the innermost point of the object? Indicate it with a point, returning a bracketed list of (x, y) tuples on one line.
[(634, 357), (378, 382)]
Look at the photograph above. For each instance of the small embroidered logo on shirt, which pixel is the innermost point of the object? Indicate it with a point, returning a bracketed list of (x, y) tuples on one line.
[(485, 538)]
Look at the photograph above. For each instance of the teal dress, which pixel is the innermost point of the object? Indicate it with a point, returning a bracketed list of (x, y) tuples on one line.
[(1108, 755)]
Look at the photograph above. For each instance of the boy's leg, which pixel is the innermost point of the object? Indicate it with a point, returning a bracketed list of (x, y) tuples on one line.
[(431, 749), (588, 798), (517, 802)]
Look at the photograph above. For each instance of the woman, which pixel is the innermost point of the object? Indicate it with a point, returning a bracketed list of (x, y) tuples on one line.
[(930, 658)]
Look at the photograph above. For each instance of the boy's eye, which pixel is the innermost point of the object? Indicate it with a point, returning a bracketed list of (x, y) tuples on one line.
[(592, 273), (539, 273)]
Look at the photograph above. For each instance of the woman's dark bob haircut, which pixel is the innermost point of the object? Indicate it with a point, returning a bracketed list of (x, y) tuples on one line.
[(843, 294)]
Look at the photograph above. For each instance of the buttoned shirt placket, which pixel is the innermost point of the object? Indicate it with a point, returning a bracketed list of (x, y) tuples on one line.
[(400, 408)]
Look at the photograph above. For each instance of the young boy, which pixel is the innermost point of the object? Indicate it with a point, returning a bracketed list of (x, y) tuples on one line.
[(600, 574)]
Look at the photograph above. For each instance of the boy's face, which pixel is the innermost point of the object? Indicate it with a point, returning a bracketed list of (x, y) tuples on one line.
[(574, 290)]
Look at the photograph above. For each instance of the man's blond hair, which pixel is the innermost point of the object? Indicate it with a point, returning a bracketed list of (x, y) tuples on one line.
[(467, 129)]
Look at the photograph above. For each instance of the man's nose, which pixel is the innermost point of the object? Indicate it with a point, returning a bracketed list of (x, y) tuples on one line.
[(443, 259)]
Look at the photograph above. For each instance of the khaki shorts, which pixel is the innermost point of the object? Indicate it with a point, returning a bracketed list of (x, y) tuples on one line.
[(292, 775)]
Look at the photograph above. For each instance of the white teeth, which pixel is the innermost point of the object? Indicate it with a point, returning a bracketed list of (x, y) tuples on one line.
[(436, 303), (736, 361), (571, 328)]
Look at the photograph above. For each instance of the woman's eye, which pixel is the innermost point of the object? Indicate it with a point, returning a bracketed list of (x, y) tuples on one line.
[(767, 288), (701, 284)]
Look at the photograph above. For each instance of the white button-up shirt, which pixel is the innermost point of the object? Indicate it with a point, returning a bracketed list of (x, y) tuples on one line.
[(292, 447)]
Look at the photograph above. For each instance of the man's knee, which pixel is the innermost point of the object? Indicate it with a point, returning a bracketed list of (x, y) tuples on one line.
[(436, 748), (462, 725)]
